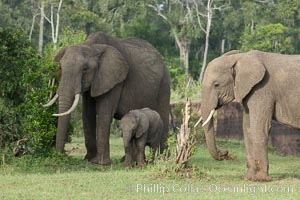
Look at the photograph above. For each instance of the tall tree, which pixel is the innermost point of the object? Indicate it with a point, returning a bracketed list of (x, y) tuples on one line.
[(54, 23), (41, 32), (177, 15), (208, 15)]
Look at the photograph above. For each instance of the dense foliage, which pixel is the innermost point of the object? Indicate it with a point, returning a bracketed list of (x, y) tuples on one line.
[(24, 86), (269, 25)]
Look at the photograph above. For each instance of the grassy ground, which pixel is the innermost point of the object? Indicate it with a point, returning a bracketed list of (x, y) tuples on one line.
[(69, 177)]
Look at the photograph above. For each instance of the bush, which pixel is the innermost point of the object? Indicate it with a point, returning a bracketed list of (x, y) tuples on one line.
[(8, 124), (24, 85)]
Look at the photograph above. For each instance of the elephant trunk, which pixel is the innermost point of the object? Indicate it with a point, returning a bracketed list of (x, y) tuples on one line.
[(207, 115), (211, 142), (63, 122), (69, 93)]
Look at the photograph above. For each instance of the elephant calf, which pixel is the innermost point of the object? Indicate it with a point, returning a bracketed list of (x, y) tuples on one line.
[(140, 128)]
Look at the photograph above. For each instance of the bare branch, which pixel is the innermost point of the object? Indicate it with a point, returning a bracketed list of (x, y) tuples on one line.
[(52, 22), (198, 16), (157, 9), (48, 20), (32, 26), (265, 1), (222, 7), (57, 20)]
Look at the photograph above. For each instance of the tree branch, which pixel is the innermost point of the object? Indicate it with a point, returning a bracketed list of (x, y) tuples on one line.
[(57, 20), (32, 26), (157, 9), (198, 16)]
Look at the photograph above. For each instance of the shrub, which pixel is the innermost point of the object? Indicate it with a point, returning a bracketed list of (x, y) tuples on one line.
[(8, 124), (24, 85)]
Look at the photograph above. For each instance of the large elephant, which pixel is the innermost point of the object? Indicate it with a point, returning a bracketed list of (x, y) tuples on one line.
[(114, 76), (267, 85)]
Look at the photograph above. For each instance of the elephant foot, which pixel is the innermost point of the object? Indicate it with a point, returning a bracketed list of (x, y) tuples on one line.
[(89, 156), (250, 174), (262, 177), (122, 159), (140, 165), (127, 165), (127, 162), (97, 160), (258, 178)]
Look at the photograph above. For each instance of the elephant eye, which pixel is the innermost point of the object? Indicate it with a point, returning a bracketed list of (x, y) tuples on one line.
[(216, 84), (85, 68)]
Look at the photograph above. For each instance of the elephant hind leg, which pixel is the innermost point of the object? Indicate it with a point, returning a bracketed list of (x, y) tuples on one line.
[(164, 112), (153, 152), (251, 169)]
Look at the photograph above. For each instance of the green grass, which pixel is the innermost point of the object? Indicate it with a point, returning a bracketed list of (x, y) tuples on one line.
[(69, 177)]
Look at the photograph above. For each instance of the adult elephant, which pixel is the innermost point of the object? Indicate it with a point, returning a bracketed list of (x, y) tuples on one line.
[(114, 76), (267, 85)]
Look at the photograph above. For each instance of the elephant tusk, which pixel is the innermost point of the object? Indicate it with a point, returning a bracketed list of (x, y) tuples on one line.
[(75, 103), (197, 123), (209, 117), (51, 102)]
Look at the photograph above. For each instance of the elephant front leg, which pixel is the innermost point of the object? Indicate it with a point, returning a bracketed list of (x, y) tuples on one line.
[(128, 155), (260, 124), (103, 149), (106, 106), (89, 126), (140, 154), (260, 158)]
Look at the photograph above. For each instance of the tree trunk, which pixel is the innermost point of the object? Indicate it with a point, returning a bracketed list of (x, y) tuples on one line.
[(208, 26), (183, 46), (41, 34), (32, 26), (222, 46)]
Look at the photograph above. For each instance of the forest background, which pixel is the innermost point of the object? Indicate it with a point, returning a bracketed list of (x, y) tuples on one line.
[(188, 34)]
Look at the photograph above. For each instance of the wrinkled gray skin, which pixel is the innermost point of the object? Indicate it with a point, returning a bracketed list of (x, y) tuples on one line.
[(114, 76), (141, 128), (267, 85)]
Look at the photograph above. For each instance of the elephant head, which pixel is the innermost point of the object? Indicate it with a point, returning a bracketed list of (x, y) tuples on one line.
[(229, 77), (85, 68), (134, 125)]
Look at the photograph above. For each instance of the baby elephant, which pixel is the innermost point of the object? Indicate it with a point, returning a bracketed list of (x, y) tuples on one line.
[(140, 128)]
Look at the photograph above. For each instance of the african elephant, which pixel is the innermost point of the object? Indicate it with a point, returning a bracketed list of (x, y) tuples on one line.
[(114, 76), (267, 85), (140, 128)]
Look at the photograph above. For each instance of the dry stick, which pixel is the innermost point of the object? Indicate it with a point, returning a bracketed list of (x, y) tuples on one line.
[(184, 144)]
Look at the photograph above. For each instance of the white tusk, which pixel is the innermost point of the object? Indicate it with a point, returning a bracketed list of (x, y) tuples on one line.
[(51, 102), (209, 117), (75, 103), (197, 123)]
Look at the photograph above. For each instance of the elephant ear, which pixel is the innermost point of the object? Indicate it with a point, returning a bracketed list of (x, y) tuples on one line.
[(143, 125), (248, 72), (112, 69), (60, 54), (232, 52), (57, 58)]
